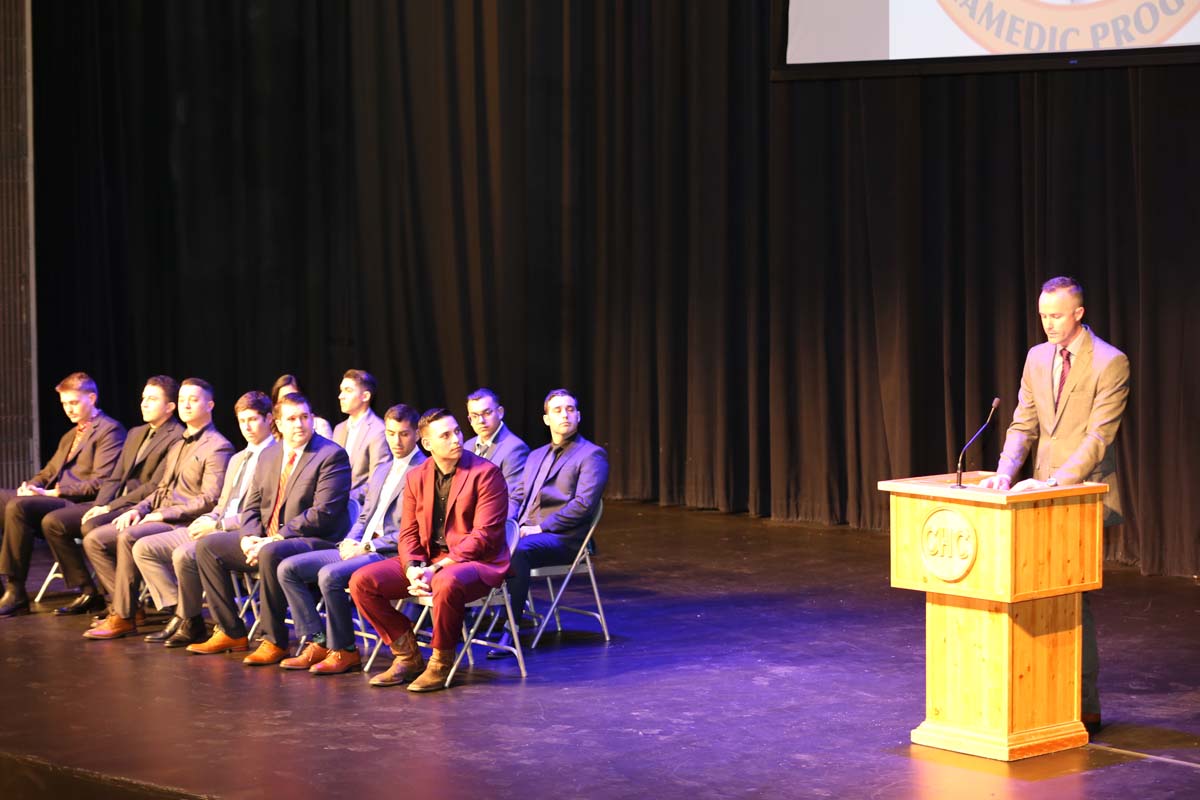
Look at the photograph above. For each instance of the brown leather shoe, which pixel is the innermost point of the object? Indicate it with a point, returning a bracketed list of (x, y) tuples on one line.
[(312, 653), (408, 662), (338, 661), (139, 618), (220, 642), (267, 653), (113, 627), (435, 675)]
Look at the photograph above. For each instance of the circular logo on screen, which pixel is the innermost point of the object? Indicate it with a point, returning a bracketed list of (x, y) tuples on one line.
[(1051, 26), (948, 545)]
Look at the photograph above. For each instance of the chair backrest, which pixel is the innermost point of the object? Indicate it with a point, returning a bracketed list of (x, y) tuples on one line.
[(587, 544), (596, 519), (512, 534)]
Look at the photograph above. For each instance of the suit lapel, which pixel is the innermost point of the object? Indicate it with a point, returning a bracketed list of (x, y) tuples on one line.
[(301, 464), (1081, 366), (456, 485), (425, 524), (87, 437), (568, 454)]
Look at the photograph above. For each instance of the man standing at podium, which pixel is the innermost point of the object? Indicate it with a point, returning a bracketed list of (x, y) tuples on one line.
[(1073, 393)]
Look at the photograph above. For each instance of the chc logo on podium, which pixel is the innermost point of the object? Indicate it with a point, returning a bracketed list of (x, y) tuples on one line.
[(948, 545)]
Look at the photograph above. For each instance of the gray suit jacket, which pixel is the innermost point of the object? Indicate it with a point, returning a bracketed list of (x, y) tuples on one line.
[(134, 479), (199, 482), (385, 543), (508, 452), (571, 493), (229, 490), (78, 477), (1074, 442), (315, 498), (370, 450)]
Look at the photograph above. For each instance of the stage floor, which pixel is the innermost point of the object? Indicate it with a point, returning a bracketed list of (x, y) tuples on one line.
[(748, 659)]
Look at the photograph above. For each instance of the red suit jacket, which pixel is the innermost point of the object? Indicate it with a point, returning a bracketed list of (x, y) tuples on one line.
[(475, 513)]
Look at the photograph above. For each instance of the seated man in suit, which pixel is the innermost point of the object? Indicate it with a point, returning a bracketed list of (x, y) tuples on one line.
[(133, 478), (561, 491), (361, 433), (331, 649), (297, 503), (493, 440), (167, 560), (85, 456), (192, 477), (452, 547)]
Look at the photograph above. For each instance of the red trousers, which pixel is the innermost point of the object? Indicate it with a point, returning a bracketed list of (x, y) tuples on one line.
[(376, 586)]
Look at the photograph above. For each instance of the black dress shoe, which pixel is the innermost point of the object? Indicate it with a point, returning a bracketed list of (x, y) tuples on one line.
[(158, 637), (81, 605), (190, 631), (1091, 722), (14, 601)]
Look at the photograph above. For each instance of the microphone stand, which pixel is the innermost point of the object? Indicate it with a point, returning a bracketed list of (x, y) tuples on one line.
[(958, 484)]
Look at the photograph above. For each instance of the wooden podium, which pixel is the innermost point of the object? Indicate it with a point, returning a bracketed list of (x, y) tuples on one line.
[(1002, 574)]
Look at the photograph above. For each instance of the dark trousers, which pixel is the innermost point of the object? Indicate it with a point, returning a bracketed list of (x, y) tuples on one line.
[(219, 555), (61, 528), (375, 586), (22, 518), (537, 550)]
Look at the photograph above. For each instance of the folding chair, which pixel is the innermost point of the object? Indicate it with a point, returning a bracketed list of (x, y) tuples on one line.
[(481, 607), (582, 563), (54, 574)]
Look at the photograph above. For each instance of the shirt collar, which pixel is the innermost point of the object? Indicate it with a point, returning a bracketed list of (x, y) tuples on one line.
[(401, 464), (495, 436), (193, 437), (256, 449)]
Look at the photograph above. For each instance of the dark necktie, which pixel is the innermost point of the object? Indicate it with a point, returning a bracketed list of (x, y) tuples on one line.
[(480, 448), (1062, 378), (533, 503), (273, 524), (144, 446)]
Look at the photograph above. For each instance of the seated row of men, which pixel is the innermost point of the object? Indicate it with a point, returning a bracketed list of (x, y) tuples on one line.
[(170, 504)]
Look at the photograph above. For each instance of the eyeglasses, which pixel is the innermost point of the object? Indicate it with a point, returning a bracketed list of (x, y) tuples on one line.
[(487, 413)]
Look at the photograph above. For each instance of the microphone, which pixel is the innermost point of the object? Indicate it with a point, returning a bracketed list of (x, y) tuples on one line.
[(958, 484)]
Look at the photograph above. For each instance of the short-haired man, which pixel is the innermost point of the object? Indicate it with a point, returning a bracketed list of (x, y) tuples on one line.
[(191, 480), (133, 478), (561, 491), (331, 649), (493, 440), (167, 561), (84, 457), (297, 503), (1074, 388), (452, 547), (361, 432)]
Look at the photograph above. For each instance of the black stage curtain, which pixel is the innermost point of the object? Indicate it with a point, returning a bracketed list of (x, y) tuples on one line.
[(767, 296)]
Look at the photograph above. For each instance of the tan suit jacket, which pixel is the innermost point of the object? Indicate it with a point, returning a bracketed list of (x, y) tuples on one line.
[(1075, 441)]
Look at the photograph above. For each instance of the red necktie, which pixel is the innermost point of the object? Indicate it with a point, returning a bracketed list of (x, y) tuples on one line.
[(1062, 378), (273, 524)]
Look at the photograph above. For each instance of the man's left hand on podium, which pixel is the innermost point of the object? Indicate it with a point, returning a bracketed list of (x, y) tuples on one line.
[(1033, 484)]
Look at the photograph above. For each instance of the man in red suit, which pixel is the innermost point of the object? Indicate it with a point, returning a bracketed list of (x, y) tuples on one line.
[(452, 547)]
